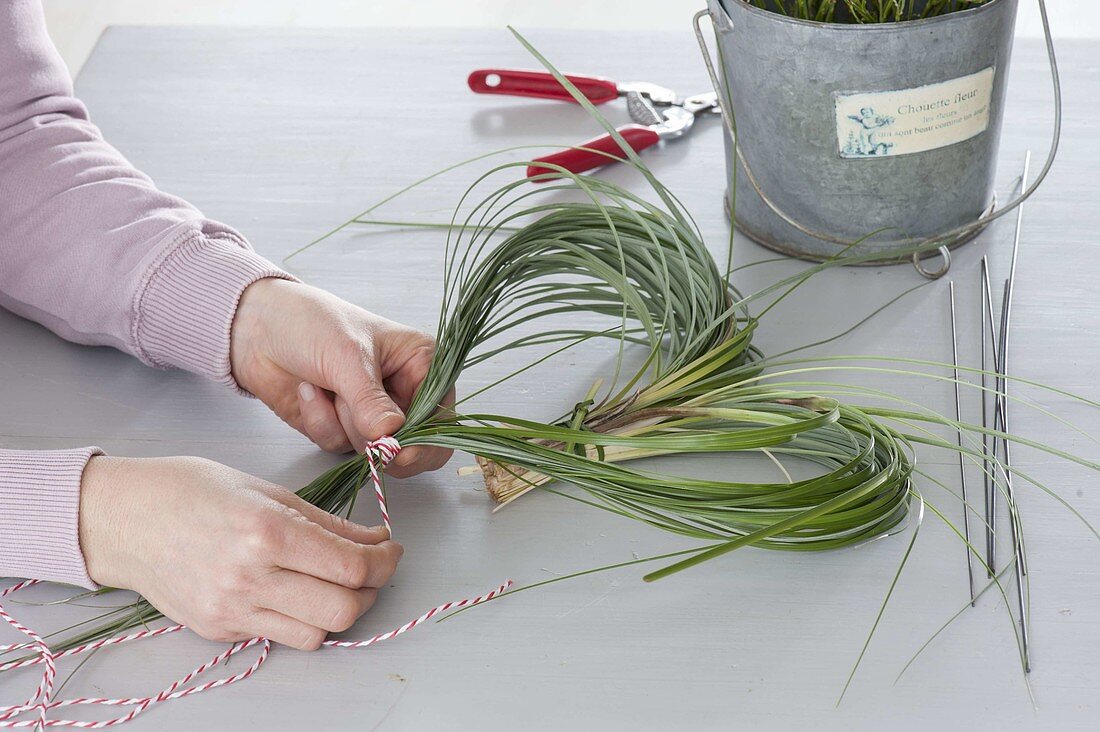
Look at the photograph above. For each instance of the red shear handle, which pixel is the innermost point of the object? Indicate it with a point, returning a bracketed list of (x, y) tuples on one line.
[(577, 161), (540, 84)]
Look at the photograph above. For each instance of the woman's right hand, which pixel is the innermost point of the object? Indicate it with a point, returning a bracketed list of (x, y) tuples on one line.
[(228, 555)]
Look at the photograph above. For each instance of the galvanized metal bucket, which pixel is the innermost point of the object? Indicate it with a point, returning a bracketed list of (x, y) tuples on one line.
[(883, 134)]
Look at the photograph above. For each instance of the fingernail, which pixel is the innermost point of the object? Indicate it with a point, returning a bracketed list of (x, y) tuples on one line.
[(306, 391), (383, 418)]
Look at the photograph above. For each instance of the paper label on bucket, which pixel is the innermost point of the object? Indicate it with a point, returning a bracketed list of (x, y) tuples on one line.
[(880, 124)]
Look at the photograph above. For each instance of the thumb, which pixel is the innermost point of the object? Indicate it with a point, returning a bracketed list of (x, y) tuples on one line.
[(374, 413), (368, 407)]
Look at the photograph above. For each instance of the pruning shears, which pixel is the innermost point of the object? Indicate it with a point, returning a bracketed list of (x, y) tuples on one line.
[(658, 113)]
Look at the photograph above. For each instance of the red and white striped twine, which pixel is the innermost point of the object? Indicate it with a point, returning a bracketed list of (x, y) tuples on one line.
[(379, 454), (41, 702)]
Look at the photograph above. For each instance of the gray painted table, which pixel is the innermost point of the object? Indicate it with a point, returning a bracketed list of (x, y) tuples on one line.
[(285, 133)]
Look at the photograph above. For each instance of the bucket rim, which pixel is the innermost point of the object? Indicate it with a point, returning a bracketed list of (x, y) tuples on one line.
[(862, 27)]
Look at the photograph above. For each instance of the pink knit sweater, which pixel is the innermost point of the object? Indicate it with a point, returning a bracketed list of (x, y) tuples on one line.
[(92, 250)]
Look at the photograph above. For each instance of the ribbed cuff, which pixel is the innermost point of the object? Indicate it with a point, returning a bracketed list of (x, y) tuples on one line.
[(40, 514), (185, 312)]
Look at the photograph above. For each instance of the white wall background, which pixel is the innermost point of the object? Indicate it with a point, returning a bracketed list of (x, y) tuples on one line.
[(76, 24)]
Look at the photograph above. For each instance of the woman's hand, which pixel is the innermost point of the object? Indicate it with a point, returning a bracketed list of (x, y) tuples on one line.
[(333, 371), (228, 555)]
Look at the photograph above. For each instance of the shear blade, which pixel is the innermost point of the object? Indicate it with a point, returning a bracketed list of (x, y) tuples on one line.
[(642, 110)]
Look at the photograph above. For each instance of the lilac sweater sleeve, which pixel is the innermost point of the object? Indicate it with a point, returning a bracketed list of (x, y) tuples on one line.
[(92, 250)]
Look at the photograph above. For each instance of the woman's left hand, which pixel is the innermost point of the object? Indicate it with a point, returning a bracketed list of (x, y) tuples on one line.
[(335, 372)]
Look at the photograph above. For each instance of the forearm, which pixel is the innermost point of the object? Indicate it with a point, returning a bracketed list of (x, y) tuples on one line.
[(89, 247), (39, 515)]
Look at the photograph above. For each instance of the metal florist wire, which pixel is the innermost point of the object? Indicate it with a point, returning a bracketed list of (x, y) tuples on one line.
[(41, 702)]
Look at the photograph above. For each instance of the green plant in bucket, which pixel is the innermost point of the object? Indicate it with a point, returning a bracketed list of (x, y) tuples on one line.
[(864, 11)]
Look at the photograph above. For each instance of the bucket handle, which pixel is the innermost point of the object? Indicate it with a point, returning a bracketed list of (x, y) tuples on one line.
[(919, 245)]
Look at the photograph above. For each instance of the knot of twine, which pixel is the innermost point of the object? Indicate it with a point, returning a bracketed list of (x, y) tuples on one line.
[(379, 453)]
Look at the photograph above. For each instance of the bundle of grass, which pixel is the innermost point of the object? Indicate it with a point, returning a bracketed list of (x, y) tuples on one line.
[(648, 271)]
